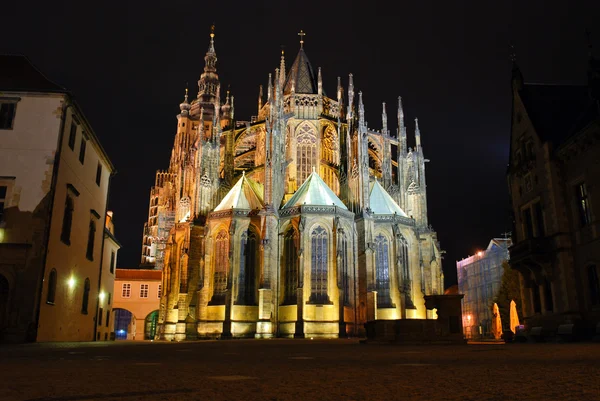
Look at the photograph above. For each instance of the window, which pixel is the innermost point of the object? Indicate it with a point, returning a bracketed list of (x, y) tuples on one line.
[(98, 173), (144, 290), (109, 298), (86, 297), (65, 234), (343, 274), (107, 319), (159, 292), (221, 268), (318, 272), (382, 266), (90, 245), (290, 251), (583, 205), (539, 219), (113, 257), (100, 316), (548, 302), (82, 150), (306, 152), (7, 115), (3, 192), (126, 290), (528, 183), (403, 268), (527, 224), (72, 135), (51, 296), (594, 283), (248, 261)]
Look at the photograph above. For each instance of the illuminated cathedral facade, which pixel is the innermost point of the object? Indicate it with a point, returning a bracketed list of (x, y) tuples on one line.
[(301, 222)]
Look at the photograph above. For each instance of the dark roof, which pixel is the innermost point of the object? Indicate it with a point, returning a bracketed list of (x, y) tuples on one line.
[(554, 109), (18, 74), (138, 274), (305, 80)]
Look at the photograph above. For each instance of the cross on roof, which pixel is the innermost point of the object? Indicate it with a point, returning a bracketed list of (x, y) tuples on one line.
[(301, 34)]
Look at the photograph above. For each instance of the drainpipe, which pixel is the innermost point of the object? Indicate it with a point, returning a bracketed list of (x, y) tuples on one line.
[(50, 209)]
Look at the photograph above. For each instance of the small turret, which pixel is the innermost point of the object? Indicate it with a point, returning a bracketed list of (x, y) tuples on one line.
[(319, 83), (350, 96), (185, 106), (417, 135), (269, 90), (361, 109), (282, 70), (260, 96)]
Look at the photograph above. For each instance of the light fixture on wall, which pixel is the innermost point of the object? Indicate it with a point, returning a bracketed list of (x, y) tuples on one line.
[(101, 296), (71, 282)]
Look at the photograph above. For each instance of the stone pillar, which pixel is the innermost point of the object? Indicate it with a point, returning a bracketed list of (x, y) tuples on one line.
[(299, 332), (264, 326)]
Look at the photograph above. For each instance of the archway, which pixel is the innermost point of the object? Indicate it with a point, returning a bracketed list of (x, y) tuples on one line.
[(124, 324), (150, 325), (4, 288)]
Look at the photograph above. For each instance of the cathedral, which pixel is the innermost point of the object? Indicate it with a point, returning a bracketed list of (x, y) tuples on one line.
[(300, 222)]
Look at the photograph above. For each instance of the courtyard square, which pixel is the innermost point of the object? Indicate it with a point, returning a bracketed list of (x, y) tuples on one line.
[(280, 369)]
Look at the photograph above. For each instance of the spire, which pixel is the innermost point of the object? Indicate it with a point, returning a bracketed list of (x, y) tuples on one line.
[(417, 134), (400, 117), (208, 84), (282, 70), (339, 89), (269, 89), (350, 95), (384, 120), (517, 76), (260, 96), (302, 73), (361, 108), (319, 83)]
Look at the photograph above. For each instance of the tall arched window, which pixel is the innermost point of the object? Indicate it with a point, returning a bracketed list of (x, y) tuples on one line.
[(290, 253), (86, 297), (318, 272), (221, 268), (248, 263), (65, 233), (90, 245), (343, 274), (51, 287), (306, 152), (403, 268), (382, 269)]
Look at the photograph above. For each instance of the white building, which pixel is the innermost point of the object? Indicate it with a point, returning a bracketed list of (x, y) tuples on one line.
[(54, 180)]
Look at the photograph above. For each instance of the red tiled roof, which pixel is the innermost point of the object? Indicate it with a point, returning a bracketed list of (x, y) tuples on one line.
[(138, 274)]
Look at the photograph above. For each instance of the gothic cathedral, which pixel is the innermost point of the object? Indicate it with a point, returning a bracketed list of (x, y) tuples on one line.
[(302, 222)]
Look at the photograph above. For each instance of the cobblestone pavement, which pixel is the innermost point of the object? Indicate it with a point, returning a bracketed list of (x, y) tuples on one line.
[(281, 369)]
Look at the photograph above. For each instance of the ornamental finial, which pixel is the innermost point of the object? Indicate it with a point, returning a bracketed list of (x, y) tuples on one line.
[(301, 34)]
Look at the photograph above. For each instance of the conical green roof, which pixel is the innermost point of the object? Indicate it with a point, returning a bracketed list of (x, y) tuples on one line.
[(314, 191), (245, 194), (382, 203)]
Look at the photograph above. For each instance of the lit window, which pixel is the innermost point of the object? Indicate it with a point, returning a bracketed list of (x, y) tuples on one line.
[(143, 290), (583, 205), (318, 272), (343, 273), (382, 266), (221, 268), (290, 251), (306, 152), (7, 115), (126, 290), (159, 293)]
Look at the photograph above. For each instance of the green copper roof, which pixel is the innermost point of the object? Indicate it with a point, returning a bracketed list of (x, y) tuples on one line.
[(382, 203), (245, 194), (314, 191)]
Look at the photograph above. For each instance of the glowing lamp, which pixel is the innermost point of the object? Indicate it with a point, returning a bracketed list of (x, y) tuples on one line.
[(71, 282), (480, 253), (102, 295)]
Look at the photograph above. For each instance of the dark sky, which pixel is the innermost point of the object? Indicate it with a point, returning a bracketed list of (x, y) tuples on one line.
[(127, 64)]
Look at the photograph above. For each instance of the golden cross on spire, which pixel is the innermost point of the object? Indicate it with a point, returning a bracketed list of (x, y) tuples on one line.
[(301, 34), (212, 31)]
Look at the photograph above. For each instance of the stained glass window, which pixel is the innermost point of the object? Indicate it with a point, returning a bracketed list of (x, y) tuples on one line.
[(248, 262), (221, 267), (318, 273), (343, 268), (306, 156), (290, 252), (382, 269)]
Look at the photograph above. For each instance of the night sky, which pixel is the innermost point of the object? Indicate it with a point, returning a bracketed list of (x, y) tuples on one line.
[(127, 64)]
